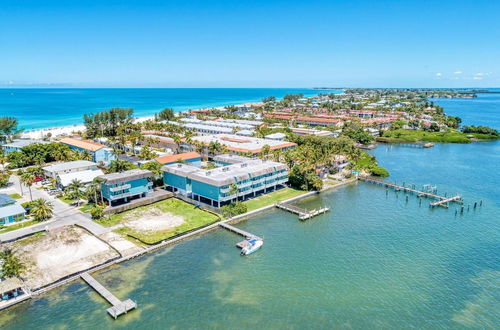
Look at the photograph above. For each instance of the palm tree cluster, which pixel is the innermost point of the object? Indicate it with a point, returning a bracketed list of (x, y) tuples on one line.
[(40, 154), (106, 123), (10, 264), (312, 154)]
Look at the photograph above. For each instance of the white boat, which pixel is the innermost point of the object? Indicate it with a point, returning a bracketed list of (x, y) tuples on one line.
[(252, 246)]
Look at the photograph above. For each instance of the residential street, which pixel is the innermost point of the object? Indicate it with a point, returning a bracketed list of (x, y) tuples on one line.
[(64, 215)]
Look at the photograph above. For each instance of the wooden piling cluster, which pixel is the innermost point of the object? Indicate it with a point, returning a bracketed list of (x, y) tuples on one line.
[(441, 200)]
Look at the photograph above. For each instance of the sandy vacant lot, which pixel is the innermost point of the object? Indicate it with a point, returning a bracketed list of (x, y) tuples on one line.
[(152, 220), (61, 252), (124, 246)]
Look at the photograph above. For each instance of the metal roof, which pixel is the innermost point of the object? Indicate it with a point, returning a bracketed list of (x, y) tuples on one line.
[(129, 175), (23, 143), (6, 200), (69, 166), (10, 284), (228, 174), (82, 176), (10, 210)]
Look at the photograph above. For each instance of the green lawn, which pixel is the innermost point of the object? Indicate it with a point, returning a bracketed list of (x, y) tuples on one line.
[(193, 218), (403, 135), (66, 200), (6, 229), (16, 196), (272, 198), (87, 207)]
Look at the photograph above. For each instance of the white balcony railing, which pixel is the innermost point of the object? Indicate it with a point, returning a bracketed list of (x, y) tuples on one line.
[(122, 187)]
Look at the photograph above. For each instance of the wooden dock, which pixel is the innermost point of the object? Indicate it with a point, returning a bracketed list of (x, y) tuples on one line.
[(118, 307), (302, 213), (441, 200), (241, 232), (445, 202), (415, 144)]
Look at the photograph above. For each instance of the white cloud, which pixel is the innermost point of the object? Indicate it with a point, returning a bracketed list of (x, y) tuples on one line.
[(478, 78), (458, 72), (439, 74)]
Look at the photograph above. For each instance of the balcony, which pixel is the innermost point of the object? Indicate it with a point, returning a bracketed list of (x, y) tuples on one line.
[(122, 187), (119, 196)]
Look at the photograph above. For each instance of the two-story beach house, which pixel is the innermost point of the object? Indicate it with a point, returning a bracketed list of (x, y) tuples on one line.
[(220, 186), (125, 186), (17, 145), (100, 153), (10, 210)]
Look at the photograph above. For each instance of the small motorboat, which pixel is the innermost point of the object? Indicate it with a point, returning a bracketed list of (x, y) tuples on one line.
[(252, 245)]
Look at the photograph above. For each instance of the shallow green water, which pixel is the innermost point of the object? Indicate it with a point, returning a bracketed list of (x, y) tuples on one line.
[(374, 261)]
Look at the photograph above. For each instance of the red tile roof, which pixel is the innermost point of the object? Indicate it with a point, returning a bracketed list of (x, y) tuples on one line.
[(173, 158)]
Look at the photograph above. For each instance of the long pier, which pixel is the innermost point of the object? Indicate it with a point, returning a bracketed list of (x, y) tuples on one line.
[(302, 213), (241, 232), (441, 200), (415, 144), (118, 307)]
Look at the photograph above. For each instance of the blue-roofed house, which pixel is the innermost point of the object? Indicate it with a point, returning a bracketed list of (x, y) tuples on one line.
[(10, 210)]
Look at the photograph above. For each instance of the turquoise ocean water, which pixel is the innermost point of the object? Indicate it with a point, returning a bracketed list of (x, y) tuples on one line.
[(376, 261), (43, 108)]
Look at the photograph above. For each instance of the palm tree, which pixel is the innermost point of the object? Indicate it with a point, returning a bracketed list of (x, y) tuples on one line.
[(75, 190), (233, 190), (85, 155), (41, 209), (93, 189), (28, 179), (120, 165)]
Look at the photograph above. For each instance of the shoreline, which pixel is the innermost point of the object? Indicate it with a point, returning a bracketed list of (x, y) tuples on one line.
[(38, 133), (236, 219)]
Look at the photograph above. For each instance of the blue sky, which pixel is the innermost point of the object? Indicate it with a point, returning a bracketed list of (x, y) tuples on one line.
[(250, 43)]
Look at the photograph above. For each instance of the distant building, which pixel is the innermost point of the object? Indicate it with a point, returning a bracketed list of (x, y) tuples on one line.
[(229, 159), (192, 158), (235, 144), (308, 131), (100, 153), (276, 136), (124, 186), (250, 178), (53, 171), (161, 141), (17, 145), (10, 210)]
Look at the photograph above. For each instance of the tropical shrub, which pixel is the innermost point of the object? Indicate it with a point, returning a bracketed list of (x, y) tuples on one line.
[(11, 265), (234, 209)]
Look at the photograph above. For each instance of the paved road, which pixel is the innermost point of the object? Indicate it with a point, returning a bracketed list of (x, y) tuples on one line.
[(64, 215)]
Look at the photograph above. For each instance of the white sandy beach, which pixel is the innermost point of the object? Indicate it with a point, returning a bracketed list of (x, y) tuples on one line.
[(68, 130)]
